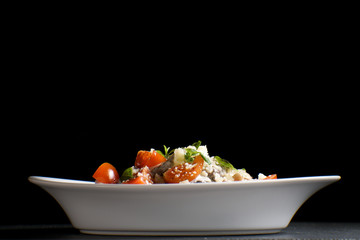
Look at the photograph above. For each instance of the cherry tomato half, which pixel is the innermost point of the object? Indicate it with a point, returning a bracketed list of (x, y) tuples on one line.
[(150, 159), (185, 171), (143, 177), (272, 176), (106, 173)]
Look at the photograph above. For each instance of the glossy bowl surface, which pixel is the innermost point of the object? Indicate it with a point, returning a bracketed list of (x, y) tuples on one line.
[(232, 208)]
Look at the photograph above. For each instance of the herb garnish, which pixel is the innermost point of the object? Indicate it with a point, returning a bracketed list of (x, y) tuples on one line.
[(196, 144), (127, 174), (190, 153), (166, 153), (224, 163)]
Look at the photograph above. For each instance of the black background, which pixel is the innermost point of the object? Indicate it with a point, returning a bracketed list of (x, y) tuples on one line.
[(270, 97)]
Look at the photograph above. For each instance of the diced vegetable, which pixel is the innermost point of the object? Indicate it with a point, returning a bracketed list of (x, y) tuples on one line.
[(179, 165), (150, 159), (272, 176), (142, 177), (185, 171), (106, 173)]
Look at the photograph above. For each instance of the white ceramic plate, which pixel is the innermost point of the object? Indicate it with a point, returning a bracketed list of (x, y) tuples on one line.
[(231, 208)]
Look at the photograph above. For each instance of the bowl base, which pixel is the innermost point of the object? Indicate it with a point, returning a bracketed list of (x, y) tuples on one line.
[(180, 233)]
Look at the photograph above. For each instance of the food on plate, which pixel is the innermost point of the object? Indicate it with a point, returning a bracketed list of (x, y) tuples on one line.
[(106, 173), (142, 177), (190, 164), (185, 171)]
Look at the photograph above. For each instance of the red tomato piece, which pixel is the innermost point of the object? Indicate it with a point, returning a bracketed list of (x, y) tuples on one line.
[(150, 159), (185, 171), (142, 177), (272, 176), (106, 173)]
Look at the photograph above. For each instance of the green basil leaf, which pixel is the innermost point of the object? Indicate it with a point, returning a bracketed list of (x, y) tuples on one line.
[(161, 153), (224, 163), (190, 155), (127, 174)]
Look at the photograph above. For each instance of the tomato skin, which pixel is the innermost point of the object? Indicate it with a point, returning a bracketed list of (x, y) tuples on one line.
[(148, 158), (142, 158), (184, 172), (143, 177), (106, 173), (272, 176), (136, 180)]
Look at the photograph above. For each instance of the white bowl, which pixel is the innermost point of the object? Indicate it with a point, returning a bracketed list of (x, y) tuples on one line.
[(232, 208)]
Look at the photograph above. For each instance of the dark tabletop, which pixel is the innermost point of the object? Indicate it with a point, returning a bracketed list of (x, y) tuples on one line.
[(296, 230)]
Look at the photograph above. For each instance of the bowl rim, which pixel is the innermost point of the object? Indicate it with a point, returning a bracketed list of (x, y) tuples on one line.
[(62, 182)]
